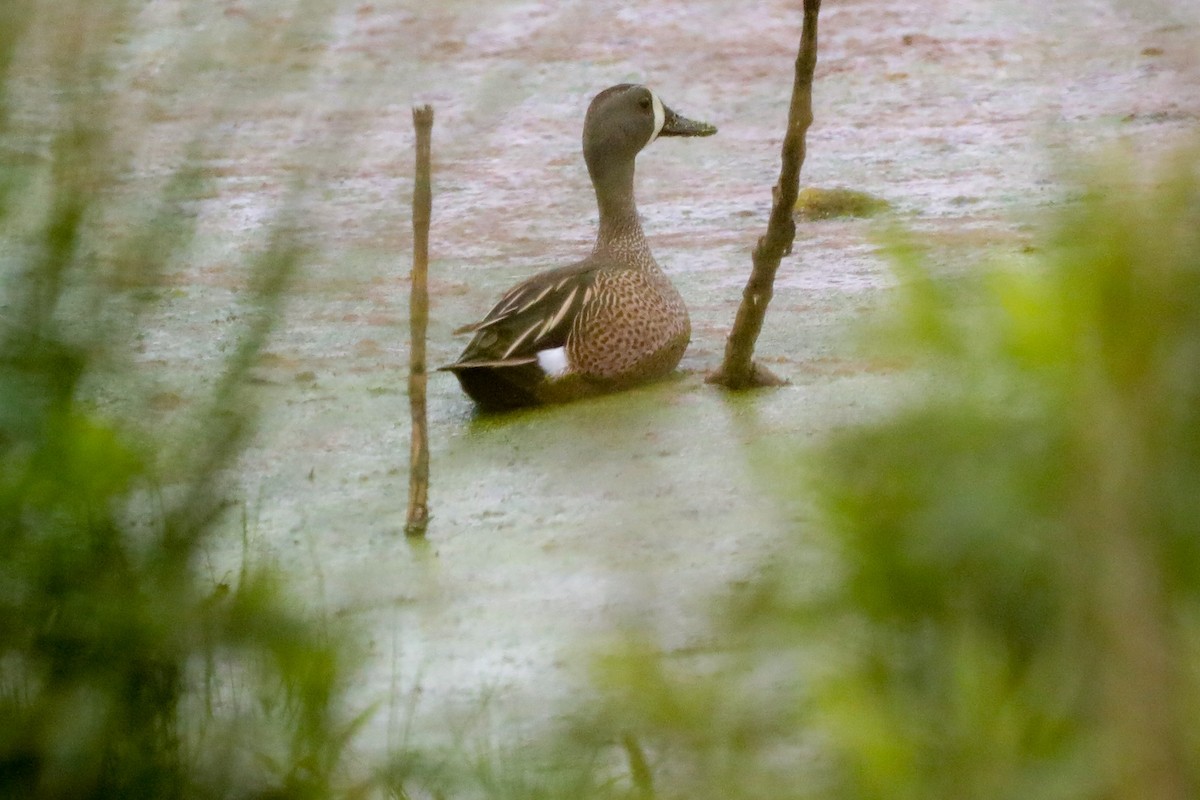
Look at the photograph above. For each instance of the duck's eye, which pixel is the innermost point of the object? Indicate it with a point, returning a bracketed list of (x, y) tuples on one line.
[(644, 102)]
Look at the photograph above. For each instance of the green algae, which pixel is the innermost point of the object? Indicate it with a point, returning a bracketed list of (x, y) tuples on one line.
[(816, 203)]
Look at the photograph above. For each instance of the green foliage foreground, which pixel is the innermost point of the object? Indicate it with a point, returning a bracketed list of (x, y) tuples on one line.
[(122, 672), (1022, 550)]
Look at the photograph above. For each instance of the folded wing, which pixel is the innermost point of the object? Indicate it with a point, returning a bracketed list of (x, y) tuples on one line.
[(532, 317)]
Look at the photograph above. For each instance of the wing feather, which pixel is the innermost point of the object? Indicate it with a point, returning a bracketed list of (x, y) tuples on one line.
[(532, 316)]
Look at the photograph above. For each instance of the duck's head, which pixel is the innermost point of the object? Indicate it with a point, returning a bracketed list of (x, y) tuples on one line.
[(623, 119)]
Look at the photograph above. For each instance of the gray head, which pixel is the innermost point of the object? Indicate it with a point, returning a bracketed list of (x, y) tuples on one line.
[(623, 119)]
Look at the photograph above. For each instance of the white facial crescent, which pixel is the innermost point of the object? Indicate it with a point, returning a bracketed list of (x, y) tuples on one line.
[(660, 116)]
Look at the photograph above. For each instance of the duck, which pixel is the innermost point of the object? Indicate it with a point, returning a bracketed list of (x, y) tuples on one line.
[(608, 322)]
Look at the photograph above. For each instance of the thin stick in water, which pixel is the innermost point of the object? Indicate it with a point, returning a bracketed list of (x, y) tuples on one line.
[(738, 371), (418, 477)]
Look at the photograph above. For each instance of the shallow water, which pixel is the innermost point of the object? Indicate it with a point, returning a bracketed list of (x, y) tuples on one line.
[(553, 527)]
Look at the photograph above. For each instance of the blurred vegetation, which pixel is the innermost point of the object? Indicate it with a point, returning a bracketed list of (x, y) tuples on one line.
[(122, 673), (1020, 549), (1008, 601)]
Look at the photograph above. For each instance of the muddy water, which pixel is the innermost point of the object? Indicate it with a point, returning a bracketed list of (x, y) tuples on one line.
[(552, 527)]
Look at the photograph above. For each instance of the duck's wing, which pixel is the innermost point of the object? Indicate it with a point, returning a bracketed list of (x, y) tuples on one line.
[(531, 317)]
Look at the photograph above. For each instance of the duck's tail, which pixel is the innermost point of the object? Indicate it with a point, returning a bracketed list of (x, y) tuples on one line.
[(499, 385)]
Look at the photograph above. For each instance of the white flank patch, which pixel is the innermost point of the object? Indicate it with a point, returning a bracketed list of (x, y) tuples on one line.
[(553, 362), (660, 116)]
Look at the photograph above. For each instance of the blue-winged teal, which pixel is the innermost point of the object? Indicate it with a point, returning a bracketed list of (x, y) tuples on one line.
[(607, 322)]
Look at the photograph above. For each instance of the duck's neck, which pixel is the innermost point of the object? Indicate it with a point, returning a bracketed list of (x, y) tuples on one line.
[(620, 227)]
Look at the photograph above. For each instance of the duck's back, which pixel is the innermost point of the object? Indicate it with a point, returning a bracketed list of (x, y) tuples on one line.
[(532, 316)]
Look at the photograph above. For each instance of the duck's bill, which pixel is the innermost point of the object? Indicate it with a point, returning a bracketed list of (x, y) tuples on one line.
[(676, 125)]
